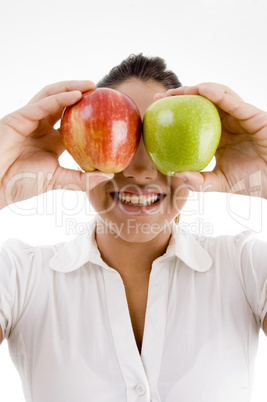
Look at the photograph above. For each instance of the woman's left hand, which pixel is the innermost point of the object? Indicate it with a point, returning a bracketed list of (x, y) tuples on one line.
[(241, 157)]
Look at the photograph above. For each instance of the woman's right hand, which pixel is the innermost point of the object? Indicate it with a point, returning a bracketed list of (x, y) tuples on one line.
[(30, 146)]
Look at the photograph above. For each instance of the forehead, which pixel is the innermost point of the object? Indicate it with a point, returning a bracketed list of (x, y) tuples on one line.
[(141, 92)]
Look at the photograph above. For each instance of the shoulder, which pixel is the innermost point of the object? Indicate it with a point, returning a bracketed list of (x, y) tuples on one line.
[(25, 259), (241, 251), (237, 270), (18, 250), (219, 248), (227, 245), (219, 253), (243, 257), (24, 275)]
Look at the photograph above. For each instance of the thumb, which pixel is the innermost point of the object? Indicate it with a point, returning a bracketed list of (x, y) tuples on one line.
[(69, 179), (200, 181), (158, 96)]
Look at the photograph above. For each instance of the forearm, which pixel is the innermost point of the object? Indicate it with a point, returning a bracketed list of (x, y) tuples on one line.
[(3, 202)]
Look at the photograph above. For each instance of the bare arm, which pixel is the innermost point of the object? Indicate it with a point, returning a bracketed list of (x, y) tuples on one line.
[(265, 325), (31, 146), (241, 157)]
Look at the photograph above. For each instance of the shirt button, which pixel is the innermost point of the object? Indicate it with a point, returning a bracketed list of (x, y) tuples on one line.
[(140, 389)]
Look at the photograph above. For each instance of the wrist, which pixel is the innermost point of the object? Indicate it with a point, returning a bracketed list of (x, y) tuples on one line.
[(3, 201)]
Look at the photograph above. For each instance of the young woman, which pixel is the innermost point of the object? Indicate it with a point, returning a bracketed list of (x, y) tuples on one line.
[(139, 310)]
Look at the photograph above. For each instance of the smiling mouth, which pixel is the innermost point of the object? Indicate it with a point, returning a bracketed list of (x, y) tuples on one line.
[(138, 200)]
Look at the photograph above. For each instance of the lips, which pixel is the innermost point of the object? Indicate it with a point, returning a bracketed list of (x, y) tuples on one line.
[(137, 199)]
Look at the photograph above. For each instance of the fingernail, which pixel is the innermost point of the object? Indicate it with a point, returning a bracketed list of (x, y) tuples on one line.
[(106, 176), (181, 176), (101, 176)]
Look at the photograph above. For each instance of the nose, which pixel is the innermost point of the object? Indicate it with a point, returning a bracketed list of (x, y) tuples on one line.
[(141, 167)]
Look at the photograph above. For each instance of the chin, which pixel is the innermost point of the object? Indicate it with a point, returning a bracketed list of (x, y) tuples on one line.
[(133, 230)]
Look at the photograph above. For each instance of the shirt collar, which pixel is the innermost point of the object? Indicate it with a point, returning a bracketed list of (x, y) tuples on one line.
[(187, 248), (83, 248), (77, 252)]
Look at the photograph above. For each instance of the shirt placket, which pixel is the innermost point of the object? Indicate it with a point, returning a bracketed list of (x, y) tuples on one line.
[(155, 323), (133, 372), (140, 373)]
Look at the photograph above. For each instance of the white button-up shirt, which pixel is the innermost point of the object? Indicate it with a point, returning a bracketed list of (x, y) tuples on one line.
[(65, 315)]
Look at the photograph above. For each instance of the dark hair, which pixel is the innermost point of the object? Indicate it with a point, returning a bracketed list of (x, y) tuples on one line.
[(142, 67)]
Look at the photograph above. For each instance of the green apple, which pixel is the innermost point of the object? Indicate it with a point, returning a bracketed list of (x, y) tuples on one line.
[(181, 133)]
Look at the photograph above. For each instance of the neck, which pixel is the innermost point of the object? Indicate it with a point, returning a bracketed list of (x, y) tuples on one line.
[(131, 258)]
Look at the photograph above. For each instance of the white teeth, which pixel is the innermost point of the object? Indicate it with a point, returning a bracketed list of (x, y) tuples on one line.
[(142, 199), (134, 199), (138, 200)]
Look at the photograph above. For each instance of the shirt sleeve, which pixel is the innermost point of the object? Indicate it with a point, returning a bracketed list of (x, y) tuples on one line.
[(252, 269), (16, 283)]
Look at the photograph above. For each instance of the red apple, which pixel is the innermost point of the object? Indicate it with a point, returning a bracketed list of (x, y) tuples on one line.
[(102, 130)]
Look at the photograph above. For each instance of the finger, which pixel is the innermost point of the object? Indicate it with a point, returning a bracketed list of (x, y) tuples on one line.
[(231, 126), (177, 91), (223, 97), (251, 118), (223, 88), (196, 90), (202, 181), (158, 96), (63, 86), (25, 120), (76, 180)]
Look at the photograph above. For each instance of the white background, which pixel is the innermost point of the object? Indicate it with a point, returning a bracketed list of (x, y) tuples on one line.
[(202, 40)]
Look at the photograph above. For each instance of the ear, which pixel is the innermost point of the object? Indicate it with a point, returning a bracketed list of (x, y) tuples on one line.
[(177, 219)]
